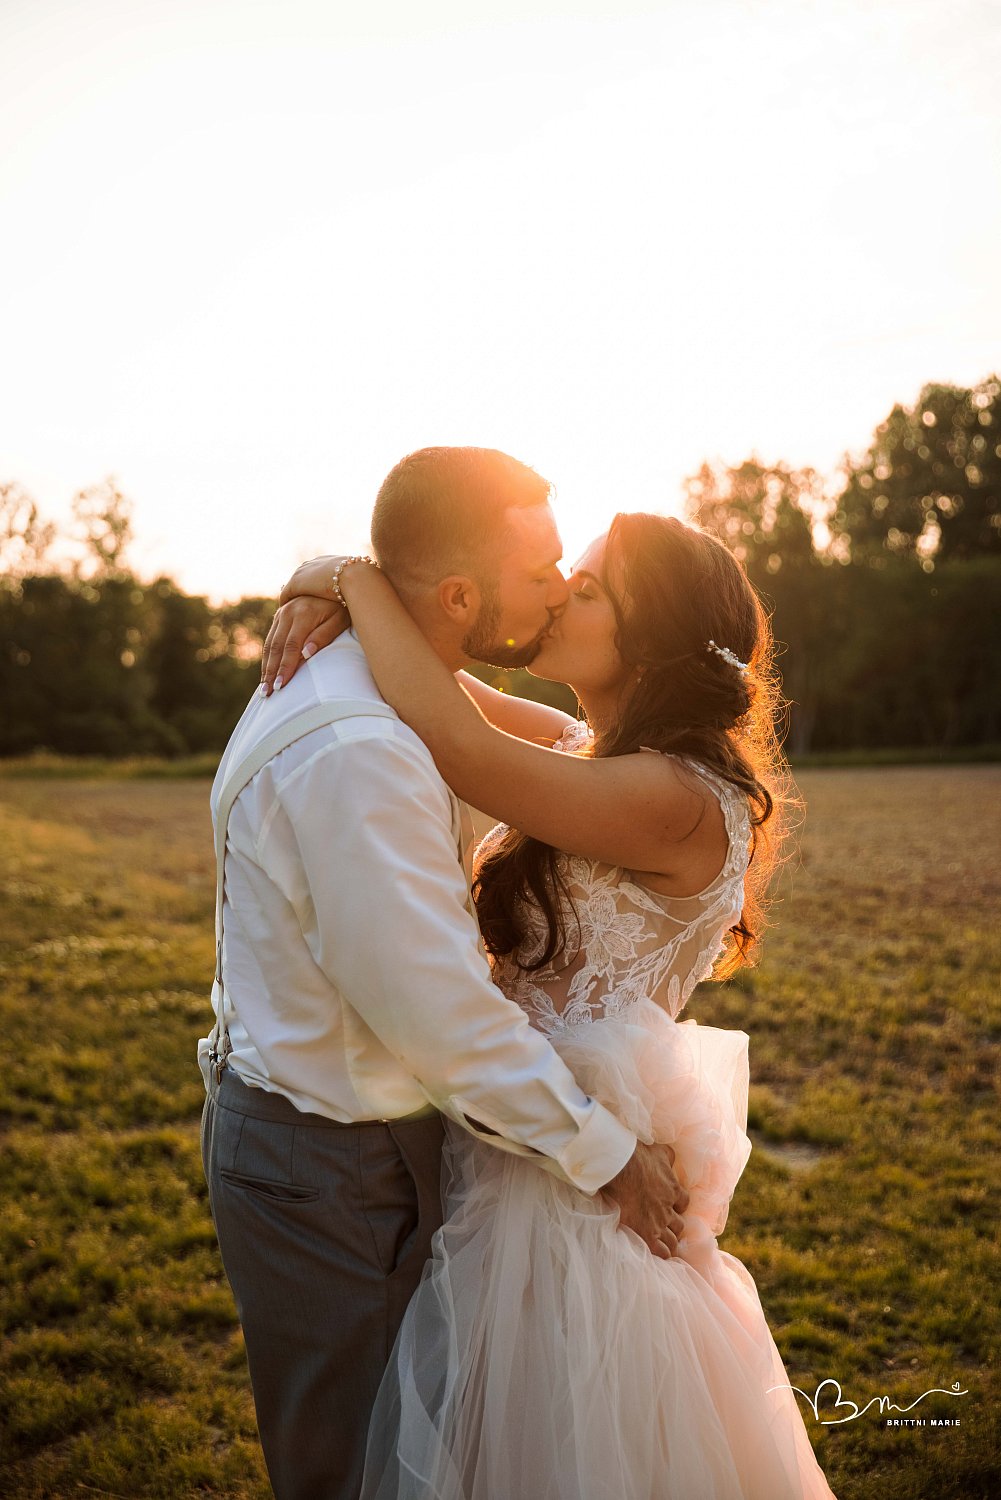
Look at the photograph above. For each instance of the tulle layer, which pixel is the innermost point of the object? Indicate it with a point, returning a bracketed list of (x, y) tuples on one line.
[(547, 1355)]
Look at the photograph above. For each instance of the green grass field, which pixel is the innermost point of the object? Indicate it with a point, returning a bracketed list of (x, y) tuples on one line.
[(868, 1212)]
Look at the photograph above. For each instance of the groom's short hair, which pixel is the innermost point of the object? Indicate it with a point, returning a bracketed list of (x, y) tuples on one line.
[(442, 511)]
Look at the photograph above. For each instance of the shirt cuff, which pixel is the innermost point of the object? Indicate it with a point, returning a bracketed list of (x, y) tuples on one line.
[(598, 1151)]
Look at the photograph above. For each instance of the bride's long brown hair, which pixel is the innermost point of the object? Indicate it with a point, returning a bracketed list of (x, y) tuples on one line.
[(682, 589)]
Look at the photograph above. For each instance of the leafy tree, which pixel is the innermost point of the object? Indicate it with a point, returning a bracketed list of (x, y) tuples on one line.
[(913, 658), (929, 487), (874, 651), (202, 663), (24, 537), (73, 665), (765, 513), (104, 517), (244, 627)]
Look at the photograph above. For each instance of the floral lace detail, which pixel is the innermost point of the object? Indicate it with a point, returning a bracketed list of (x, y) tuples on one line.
[(634, 943), (574, 737)]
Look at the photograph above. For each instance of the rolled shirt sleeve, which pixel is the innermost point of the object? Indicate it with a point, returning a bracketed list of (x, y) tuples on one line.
[(381, 896)]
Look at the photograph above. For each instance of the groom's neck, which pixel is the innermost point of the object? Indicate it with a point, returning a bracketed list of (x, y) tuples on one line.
[(440, 635)]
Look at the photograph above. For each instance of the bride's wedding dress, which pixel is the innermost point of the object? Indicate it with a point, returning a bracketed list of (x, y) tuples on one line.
[(548, 1355)]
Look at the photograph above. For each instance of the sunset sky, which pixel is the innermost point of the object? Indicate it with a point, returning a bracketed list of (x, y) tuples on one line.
[(252, 253)]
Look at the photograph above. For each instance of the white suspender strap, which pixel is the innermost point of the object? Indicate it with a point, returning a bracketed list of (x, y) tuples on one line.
[(287, 734)]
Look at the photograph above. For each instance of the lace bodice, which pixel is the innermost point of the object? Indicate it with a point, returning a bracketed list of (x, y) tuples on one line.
[(635, 943)]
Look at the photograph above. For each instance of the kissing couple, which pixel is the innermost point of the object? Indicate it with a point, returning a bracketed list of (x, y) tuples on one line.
[(466, 1162)]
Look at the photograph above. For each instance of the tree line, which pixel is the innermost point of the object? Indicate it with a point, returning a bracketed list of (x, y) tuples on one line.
[(883, 580)]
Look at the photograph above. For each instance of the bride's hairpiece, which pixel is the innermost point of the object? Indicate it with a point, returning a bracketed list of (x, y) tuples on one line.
[(729, 656)]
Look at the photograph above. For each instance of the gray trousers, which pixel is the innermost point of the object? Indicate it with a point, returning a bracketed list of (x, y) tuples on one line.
[(324, 1231)]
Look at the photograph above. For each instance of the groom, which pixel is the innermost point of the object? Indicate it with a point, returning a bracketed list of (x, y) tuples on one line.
[(356, 1002)]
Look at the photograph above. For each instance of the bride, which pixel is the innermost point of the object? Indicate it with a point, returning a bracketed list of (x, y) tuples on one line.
[(547, 1355)]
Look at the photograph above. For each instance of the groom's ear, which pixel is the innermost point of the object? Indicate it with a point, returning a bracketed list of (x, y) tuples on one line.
[(459, 598)]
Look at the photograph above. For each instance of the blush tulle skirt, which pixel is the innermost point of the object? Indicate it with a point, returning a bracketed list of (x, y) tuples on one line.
[(547, 1355)]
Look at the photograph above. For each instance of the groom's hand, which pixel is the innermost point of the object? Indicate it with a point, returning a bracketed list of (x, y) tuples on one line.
[(650, 1199)]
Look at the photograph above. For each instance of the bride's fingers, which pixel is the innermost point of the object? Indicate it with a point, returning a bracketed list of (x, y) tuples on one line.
[(283, 644), (291, 657), (266, 651), (305, 642), (301, 628), (286, 639)]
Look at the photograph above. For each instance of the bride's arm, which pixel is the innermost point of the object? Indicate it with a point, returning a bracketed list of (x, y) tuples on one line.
[(630, 810), (308, 619), (528, 720)]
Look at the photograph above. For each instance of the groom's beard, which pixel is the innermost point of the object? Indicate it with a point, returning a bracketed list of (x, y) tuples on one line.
[(481, 645)]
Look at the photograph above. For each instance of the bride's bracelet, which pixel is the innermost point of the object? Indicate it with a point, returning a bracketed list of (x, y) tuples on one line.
[(335, 582)]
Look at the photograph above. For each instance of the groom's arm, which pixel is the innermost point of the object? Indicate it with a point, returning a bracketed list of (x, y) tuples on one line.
[(382, 904)]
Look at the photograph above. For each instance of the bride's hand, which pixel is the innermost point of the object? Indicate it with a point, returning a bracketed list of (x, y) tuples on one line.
[(300, 628), (312, 578)]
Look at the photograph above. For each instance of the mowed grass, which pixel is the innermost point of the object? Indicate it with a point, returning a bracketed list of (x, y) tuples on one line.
[(867, 1214), (122, 1369)]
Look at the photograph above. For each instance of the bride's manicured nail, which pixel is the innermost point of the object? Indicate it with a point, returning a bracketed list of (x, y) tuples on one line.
[(309, 650), (278, 683), (263, 690)]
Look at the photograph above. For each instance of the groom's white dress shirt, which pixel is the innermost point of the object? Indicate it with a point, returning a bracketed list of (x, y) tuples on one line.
[(355, 982)]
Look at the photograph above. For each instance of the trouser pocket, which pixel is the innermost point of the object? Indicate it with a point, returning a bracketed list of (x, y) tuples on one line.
[(277, 1192)]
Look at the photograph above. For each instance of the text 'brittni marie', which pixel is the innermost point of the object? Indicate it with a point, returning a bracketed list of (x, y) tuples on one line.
[(882, 1403)]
